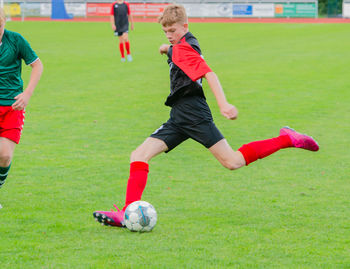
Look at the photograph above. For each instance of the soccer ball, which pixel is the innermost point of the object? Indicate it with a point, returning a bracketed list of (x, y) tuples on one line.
[(140, 216)]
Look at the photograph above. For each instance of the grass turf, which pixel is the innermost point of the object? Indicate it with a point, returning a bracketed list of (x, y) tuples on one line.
[(90, 111)]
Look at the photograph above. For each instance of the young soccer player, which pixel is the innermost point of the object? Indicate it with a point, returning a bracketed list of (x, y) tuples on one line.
[(13, 100), (120, 17), (190, 116)]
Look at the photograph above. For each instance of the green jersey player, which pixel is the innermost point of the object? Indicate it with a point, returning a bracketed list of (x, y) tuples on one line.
[(13, 100)]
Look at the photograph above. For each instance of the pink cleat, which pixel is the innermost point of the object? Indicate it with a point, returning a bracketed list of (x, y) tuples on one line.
[(110, 218), (300, 140)]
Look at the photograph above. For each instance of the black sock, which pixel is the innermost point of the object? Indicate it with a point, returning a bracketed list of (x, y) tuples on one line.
[(3, 174)]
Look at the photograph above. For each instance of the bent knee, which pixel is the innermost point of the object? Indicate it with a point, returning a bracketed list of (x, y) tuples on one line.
[(232, 164)]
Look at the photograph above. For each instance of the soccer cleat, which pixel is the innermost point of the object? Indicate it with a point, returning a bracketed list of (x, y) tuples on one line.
[(122, 60), (110, 218), (0, 206), (300, 140), (129, 58)]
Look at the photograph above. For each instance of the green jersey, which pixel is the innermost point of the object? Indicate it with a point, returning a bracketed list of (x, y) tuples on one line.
[(13, 48)]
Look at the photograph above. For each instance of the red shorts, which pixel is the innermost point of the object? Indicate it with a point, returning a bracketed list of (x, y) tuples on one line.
[(11, 123)]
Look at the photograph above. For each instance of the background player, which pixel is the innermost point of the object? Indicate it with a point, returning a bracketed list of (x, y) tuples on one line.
[(120, 16), (13, 100), (190, 116)]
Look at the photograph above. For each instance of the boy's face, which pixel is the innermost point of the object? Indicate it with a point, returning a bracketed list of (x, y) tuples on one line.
[(175, 32)]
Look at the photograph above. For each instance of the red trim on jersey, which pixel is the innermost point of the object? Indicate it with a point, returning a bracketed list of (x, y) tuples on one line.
[(189, 60), (127, 4), (112, 8)]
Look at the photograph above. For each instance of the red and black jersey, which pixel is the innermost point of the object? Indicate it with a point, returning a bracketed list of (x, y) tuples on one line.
[(187, 67), (120, 13)]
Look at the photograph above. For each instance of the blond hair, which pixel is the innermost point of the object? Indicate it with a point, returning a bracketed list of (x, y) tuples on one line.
[(173, 14), (2, 16)]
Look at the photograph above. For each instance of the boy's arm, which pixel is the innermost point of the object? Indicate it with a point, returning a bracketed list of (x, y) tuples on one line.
[(131, 21), (227, 110), (114, 28), (23, 98)]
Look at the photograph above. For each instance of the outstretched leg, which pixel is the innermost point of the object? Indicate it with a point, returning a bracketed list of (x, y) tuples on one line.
[(253, 151)]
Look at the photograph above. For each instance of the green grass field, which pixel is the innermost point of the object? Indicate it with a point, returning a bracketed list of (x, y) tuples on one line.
[(89, 111)]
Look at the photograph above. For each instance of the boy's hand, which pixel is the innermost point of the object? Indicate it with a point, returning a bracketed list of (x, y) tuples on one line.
[(114, 28), (229, 111), (163, 49), (21, 101)]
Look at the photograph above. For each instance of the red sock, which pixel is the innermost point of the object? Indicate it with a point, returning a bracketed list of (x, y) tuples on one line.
[(261, 149), (127, 46), (136, 183), (121, 48)]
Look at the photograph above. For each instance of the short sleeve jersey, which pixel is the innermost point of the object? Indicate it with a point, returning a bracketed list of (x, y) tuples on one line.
[(187, 67), (13, 49), (120, 13)]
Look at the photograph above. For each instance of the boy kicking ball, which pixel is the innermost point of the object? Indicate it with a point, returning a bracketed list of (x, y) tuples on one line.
[(190, 116)]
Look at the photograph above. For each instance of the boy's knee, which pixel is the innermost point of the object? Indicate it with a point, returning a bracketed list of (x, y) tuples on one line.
[(5, 159), (232, 164)]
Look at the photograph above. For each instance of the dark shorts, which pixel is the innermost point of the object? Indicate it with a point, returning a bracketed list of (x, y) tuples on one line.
[(189, 118), (120, 33)]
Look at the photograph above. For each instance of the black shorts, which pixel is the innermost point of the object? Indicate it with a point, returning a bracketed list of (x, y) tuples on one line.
[(120, 33), (190, 117)]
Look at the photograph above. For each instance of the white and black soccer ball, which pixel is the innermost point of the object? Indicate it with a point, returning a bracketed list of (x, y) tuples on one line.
[(140, 216)]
